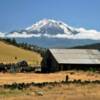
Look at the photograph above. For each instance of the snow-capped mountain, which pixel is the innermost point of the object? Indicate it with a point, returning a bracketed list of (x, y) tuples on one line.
[(52, 33), (55, 29)]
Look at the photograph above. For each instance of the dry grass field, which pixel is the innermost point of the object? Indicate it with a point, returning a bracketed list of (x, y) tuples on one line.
[(59, 92), (13, 54), (8, 78), (66, 91)]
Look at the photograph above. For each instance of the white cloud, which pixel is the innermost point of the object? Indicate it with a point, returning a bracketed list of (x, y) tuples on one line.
[(92, 34), (23, 35), (2, 34), (57, 36), (88, 34)]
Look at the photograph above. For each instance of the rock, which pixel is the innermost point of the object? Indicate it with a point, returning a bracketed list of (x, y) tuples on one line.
[(40, 93), (22, 63)]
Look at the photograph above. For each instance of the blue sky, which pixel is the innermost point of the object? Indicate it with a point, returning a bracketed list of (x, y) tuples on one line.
[(19, 14)]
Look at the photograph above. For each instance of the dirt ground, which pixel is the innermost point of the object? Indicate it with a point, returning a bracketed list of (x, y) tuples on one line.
[(59, 92), (8, 78)]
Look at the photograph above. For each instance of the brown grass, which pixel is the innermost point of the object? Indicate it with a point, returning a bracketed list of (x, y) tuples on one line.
[(12, 54), (59, 92), (7, 78)]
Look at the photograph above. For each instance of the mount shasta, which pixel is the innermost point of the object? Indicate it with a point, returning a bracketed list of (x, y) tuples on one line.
[(52, 33)]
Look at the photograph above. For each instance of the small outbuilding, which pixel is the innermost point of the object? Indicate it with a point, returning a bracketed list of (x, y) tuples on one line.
[(64, 59)]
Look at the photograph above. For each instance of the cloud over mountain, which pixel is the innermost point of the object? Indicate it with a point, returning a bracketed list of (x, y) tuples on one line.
[(2, 34)]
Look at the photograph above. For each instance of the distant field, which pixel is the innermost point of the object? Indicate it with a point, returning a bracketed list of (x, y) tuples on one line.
[(8, 78), (13, 54)]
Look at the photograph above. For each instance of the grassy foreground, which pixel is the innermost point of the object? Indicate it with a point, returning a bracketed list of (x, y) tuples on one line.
[(13, 54), (68, 91), (59, 92)]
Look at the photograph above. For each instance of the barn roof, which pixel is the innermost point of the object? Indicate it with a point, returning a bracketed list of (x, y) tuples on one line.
[(76, 56)]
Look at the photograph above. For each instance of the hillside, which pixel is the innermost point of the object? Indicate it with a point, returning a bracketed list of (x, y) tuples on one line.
[(91, 46), (13, 54)]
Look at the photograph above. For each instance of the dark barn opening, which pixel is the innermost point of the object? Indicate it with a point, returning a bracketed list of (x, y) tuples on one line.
[(79, 66)]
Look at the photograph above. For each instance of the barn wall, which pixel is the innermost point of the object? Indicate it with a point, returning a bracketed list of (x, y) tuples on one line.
[(54, 64), (49, 64)]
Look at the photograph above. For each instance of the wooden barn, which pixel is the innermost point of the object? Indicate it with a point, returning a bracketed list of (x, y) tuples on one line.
[(64, 59)]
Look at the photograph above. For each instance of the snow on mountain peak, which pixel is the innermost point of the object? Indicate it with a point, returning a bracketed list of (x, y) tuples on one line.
[(50, 26), (44, 22), (41, 23)]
